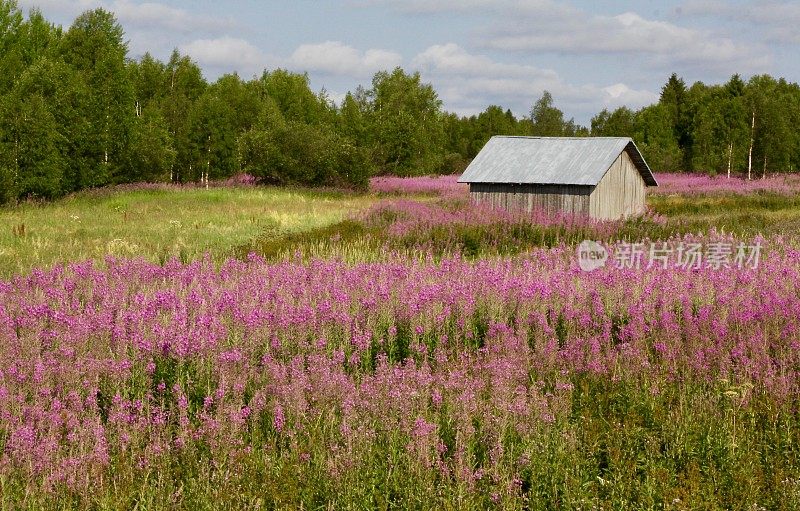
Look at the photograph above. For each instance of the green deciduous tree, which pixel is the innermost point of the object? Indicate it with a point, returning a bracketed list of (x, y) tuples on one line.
[(30, 151), (294, 97), (212, 139), (184, 85), (94, 46), (152, 155), (353, 118), (224, 111), (38, 39), (407, 123), (619, 123), (11, 58), (149, 78), (548, 121), (66, 99), (773, 135), (298, 153), (734, 123)]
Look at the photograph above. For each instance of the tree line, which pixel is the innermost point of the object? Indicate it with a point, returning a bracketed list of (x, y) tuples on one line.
[(77, 112)]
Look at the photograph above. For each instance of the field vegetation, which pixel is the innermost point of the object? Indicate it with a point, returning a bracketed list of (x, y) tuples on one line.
[(161, 222), (398, 348), (411, 215)]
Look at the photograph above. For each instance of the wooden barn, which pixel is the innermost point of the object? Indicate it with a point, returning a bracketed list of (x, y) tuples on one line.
[(602, 177)]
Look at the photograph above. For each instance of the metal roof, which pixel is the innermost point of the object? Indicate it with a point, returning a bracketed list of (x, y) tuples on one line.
[(552, 160)]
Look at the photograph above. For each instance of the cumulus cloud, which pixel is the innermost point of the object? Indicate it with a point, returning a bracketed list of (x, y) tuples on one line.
[(467, 83), (336, 58), (628, 33), (143, 16), (150, 14), (429, 6), (227, 54), (61, 6), (776, 20), (619, 94), (452, 59), (538, 26)]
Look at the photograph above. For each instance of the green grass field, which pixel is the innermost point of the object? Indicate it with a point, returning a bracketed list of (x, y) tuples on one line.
[(160, 224), (747, 215)]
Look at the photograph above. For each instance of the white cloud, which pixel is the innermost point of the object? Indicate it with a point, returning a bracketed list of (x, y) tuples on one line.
[(628, 33), (468, 6), (150, 14), (450, 58), (468, 83), (423, 6), (336, 58), (777, 21), (69, 8), (537, 26), (619, 94), (145, 16), (227, 54)]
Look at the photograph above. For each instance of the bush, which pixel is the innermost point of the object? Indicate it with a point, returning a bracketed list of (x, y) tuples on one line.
[(298, 153)]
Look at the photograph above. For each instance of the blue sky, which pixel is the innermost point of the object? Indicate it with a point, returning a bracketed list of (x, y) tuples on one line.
[(589, 55)]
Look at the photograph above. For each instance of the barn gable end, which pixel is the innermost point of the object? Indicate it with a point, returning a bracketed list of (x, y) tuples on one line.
[(621, 192)]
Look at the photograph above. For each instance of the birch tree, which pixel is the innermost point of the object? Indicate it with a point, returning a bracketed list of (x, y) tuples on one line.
[(94, 46)]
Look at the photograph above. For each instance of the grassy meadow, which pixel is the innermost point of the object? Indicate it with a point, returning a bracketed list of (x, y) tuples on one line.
[(162, 222), (394, 349), (159, 223)]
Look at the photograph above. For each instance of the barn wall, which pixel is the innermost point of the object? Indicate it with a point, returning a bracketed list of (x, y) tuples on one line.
[(527, 197), (621, 192)]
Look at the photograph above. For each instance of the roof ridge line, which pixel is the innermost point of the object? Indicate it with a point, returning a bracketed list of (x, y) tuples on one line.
[(548, 160), (562, 138)]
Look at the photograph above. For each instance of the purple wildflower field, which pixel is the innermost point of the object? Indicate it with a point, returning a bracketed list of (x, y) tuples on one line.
[(441, 185), (669, 183), (454, 380), (410, 215), (108, 374), (672, 183)]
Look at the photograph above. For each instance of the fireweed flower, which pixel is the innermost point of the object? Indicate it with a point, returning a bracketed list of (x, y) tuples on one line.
[(441, 185), (124, 363), (683, 183), (279, 420)]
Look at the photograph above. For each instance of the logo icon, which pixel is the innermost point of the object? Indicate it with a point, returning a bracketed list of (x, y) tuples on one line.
[(591, 255)]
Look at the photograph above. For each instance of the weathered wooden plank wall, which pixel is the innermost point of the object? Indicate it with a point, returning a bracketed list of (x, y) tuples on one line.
[(621, 192), (552, 199)]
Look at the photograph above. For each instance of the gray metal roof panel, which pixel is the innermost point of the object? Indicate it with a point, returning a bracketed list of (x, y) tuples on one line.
[(551, 160)]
